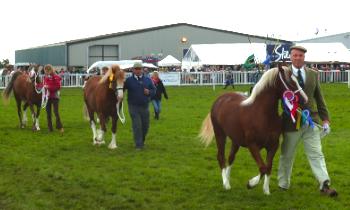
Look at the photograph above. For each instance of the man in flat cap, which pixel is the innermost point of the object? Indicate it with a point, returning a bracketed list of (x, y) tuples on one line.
[(308, 80), (140, 90)]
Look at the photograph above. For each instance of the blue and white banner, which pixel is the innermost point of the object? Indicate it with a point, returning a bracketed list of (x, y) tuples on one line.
[(278, 52), (170, 78)]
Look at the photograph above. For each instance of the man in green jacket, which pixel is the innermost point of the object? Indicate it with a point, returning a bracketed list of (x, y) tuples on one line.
[(308, 80)]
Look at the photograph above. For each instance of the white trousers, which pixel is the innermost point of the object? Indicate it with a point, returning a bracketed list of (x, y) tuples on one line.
[(313, 150)]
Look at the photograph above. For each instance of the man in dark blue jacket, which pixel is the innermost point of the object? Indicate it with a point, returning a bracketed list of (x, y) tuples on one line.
[(140, 90)]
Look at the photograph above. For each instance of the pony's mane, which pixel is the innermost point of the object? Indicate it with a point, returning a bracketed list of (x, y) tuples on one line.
[(105, 77), (267, 80)]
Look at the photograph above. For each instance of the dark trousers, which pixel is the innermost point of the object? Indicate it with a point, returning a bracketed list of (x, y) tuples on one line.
[(54, 102), (140, 123)]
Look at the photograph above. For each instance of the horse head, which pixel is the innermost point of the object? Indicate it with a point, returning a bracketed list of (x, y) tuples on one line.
[(34, 74), (115, 79), (289, 84)]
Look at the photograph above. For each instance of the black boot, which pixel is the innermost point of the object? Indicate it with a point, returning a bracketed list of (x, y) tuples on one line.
[(326, 190), (157, 115)]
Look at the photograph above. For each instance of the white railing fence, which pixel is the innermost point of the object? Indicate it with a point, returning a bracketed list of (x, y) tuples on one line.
[(202, 78)]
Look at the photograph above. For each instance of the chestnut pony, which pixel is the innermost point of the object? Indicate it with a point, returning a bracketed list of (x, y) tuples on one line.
[(103, 95), (24, 89), (252, 122)]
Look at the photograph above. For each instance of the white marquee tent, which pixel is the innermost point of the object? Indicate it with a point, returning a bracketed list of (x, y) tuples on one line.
[(222, 54), (326, 52), (169, 61)]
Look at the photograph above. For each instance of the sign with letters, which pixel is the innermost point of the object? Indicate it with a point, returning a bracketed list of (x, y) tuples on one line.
[(278, 52), (170, 78)]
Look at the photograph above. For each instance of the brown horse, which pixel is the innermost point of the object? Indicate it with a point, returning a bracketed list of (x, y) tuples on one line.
[(252, 122), (24, 89), (103, 96)]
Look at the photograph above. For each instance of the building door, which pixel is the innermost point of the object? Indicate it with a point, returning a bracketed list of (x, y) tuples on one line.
[(103, 53)]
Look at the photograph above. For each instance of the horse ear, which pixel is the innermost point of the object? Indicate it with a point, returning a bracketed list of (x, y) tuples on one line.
[(115, 68), (280, 67)]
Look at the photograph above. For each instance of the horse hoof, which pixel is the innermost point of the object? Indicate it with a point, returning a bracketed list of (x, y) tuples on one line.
[(112, 146), (97, 142), (227, 187), (267, 192)]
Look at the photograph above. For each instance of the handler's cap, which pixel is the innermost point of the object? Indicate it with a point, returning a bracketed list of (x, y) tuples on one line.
[(137, 65), (296, 47)]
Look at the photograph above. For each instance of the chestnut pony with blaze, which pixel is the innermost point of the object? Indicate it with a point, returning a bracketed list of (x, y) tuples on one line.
[(24, 89), (252, 122), (103, 94)]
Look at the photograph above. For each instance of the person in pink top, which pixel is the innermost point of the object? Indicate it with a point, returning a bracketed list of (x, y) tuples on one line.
[(52, 82)]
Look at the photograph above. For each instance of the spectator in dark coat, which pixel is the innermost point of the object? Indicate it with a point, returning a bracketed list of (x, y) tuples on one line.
[(140, 89)]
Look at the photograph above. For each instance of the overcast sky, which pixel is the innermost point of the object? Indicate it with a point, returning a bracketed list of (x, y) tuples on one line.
[(30, 23)]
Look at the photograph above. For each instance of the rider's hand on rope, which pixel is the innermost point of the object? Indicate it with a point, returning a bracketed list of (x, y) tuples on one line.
[(326, 128), (146, 91)]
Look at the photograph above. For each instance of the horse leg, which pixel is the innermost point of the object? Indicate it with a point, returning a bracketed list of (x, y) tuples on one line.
[(33, 116), (231, 158), (24, 116), (19, 112), (220, 137), (92, 125), (91, 114), (37, 126), (113, 144), (102, 130), (255, 151), (271, 151)]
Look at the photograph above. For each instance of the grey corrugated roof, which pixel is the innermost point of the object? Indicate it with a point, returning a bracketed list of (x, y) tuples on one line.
[(346, 35), (152, 29), (48, 45), (162, 27)]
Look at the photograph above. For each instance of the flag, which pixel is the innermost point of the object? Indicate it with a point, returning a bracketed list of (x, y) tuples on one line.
[(267, 61), (249, 62)]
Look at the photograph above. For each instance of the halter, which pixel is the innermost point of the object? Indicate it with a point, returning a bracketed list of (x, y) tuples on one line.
[(285, 84)]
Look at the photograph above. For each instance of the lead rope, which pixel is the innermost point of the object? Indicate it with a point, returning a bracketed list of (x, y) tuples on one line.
[(121, 115), (44, 93), (44, 97)]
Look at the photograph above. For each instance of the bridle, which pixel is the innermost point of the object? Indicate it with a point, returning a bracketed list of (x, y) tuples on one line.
[(286, 86)]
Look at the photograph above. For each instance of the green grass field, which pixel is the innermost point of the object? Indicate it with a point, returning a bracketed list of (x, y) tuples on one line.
[(41, 170)]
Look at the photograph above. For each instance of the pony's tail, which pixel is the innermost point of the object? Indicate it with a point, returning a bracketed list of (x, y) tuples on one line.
[(206, 133), (9, 87), (85, 113)]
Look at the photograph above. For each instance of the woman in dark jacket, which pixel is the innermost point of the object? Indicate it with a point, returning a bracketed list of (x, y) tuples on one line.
[(160, 89)]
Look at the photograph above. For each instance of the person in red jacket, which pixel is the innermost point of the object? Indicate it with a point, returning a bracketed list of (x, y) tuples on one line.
[(52, 82)]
